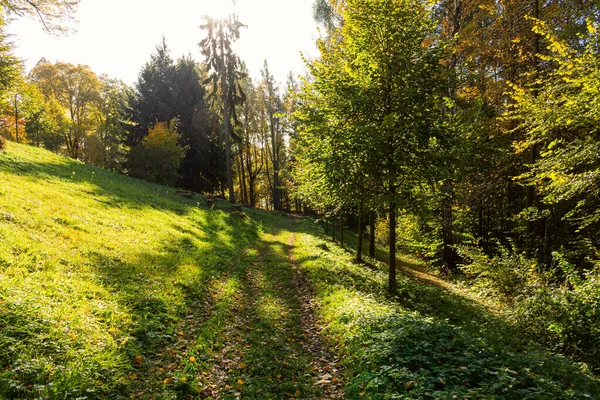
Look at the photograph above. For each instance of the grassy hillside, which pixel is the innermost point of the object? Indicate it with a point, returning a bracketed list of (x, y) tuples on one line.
[(97, 271), (112, 287)]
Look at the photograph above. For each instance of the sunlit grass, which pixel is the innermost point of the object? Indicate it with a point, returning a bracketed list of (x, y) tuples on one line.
[(117, 288), (95, 270), (425, 342)]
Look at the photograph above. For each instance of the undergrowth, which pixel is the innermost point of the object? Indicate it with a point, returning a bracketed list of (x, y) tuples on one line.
[(400, 348)]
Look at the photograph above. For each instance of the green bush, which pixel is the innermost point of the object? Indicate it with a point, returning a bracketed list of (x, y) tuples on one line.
[(158, 157), (564, 316), (506, 275)]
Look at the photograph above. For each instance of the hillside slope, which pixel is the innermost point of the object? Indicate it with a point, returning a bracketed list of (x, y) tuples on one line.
[(111, 287)]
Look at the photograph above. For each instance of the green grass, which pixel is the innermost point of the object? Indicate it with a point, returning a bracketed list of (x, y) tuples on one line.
[(427, 342), (111, 287)]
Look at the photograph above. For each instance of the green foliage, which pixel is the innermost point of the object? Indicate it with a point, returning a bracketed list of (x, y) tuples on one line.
[(507, 274), (53, 14), (77, 89), (559, 307), (562, 119), (2, 143), (9, 65), (105, 148), (448, 348), (158, 157), (167, 90)]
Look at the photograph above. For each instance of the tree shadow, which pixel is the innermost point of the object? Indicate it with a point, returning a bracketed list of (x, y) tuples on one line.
[(437, 343)]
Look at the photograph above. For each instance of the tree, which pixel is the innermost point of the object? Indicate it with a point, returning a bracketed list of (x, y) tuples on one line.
[(53, 14), (158, 157), (375, 90), (77, 89), (46, 120), (105, 147), (252, 162), (9, 64), (328, 13), (154, 99), (561, 115), (273, 107), (224, 66)]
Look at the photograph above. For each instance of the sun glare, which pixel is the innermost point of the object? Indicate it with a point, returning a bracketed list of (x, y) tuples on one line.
[(221, 9)]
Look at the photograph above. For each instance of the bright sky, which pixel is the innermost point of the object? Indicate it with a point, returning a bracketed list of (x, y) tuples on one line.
[(116, 37)]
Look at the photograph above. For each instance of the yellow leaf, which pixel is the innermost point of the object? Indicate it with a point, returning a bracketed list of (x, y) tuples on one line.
[(184, 379), (297, 393), (192, 359), (167, 381), (243, 365), (240, 382), (112, 329)]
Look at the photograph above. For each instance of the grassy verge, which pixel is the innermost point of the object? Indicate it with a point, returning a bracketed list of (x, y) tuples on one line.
[(112, 287), (407, 347)]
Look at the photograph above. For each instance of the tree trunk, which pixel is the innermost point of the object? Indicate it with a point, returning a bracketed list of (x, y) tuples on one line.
[(392, 249), (448, 253), (251, 190), (243, 188), (360, 238), (372, 236), (226, 126), (333, 228), (342, 230), (17, 118)]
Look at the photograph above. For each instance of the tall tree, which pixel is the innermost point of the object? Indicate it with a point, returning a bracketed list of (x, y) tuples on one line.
[(224, 65), (273, 107), (155, 93), (377, 81), (77, 89)]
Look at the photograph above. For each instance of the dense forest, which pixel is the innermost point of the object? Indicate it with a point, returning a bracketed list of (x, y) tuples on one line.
[(465, 133)]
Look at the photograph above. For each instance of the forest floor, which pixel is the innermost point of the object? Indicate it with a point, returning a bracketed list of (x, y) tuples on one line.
[(115, 288)]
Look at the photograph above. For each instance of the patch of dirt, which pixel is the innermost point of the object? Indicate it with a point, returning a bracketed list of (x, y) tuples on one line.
[(327, 372)]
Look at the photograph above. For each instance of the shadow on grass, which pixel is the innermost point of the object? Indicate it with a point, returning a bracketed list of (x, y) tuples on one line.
[(107, 188), (437, 343)]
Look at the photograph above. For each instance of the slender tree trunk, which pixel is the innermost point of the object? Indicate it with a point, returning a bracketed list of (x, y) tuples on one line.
[(392, 249), (333, 228), (448, 253), (251, 190), (17, 118), (243, 188), (530, 193), (342, 230), (360, 238), (372, 235), (226, 125)]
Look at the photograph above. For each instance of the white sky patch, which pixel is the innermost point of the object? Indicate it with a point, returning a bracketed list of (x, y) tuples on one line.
[(116, 37)]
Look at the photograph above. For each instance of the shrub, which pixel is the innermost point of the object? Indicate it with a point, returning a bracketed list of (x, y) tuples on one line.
[(506, 275), (565, 316), (158, 157), (2, 143)]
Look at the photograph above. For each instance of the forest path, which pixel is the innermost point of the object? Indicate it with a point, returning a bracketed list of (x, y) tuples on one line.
[(266, 341), (328, 372)]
